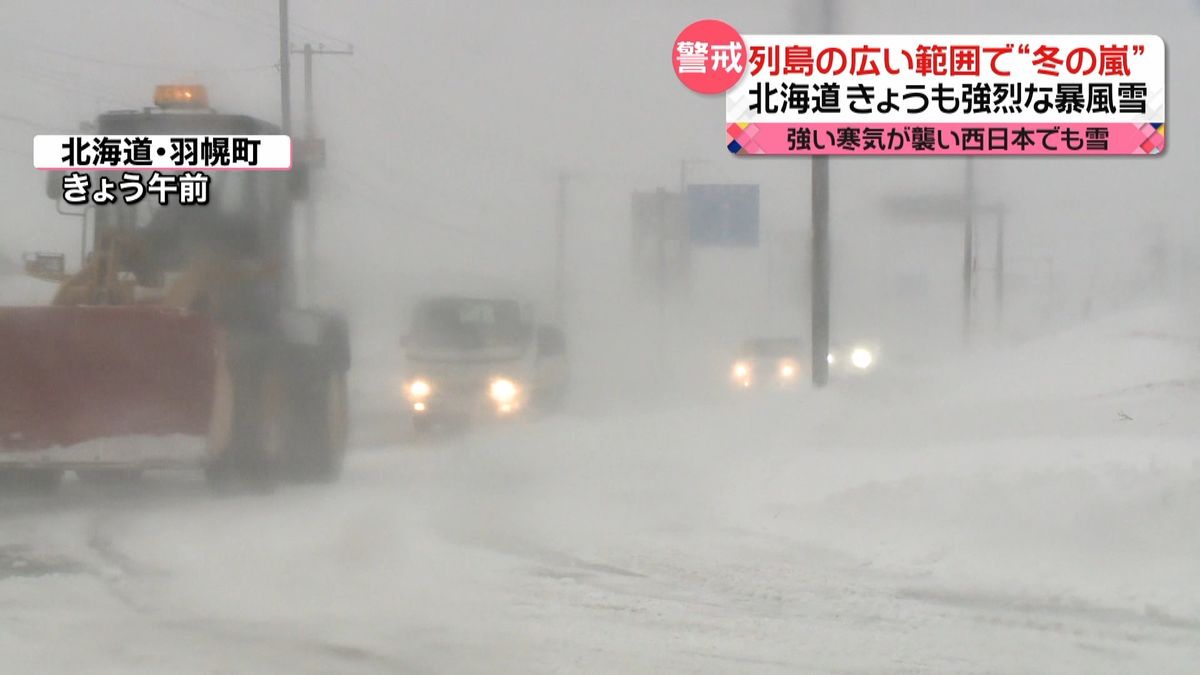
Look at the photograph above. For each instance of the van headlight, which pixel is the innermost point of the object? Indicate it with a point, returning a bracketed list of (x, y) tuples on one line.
[(503, 390), (787, 369), (742, 373)]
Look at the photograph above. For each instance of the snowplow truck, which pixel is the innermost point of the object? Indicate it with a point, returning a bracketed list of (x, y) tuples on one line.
[(178, 342)]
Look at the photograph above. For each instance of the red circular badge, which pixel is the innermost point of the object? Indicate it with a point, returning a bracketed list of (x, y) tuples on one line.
[(709, 56)]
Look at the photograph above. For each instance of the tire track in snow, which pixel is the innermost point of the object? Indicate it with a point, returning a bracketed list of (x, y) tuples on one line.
[(130, 582), (764, 585)]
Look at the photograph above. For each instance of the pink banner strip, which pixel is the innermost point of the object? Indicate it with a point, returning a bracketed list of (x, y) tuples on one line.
[(785, 138)]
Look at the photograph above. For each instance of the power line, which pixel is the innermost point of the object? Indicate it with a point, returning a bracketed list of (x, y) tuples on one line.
[(64, 83), (271, 17), (20, 120), (151, 67), (258, 28), (372, 127), (369, 195), (265, 26), (510, 160)]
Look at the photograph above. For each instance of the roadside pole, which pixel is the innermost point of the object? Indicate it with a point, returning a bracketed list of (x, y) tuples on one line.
[(310, 204), (684, 234), (968, 288), (309, 268), (820, 248), (953, 209), (820, 271), (660, 263), (285, 72), (999, 267), (560, 251)]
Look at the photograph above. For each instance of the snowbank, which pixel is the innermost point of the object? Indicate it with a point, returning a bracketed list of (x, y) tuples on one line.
[(19, 289)]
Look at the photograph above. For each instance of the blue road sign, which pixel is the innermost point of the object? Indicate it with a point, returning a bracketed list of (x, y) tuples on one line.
[(723, 215)]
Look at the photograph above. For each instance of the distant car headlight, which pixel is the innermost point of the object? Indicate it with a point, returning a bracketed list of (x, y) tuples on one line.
[(503, 391), (419, 389), (862, 358), (742, 373), (787, 370), (741, 370)]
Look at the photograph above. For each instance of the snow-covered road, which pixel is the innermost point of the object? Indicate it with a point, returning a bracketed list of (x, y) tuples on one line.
[(1034, 510)]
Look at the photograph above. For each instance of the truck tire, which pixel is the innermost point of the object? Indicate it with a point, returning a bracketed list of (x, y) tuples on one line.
[(318, 425), (256, 439)]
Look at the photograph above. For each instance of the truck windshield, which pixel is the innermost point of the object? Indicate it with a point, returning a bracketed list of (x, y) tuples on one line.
[(237, 202), (461, 323), (230, 198)]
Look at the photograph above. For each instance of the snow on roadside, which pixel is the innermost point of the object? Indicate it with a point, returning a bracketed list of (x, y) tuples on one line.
[(541, 543), (1058, 495), (1065, 468), (19, 289)]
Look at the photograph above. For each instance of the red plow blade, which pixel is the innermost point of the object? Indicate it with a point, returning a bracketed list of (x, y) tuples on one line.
[(74, 374)]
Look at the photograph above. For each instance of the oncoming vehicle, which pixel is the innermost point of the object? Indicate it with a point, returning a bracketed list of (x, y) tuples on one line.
[(856, 359), (768, 362), (475, 356), (179, 342)]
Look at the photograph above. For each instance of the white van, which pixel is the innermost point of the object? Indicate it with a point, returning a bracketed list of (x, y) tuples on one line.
[(468, 357)]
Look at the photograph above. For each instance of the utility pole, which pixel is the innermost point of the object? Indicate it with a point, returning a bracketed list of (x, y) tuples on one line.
[(999, 266), (560, 250), (285, 71), (308, 101), (968, 247), (683, 231), (820, 271), (310, 205), (820, 248), (683, 165), (309, 51), (660, 254)]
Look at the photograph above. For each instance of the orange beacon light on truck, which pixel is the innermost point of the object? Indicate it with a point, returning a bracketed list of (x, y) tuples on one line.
[(181, 96)]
